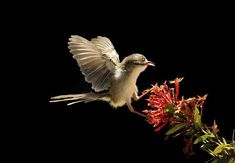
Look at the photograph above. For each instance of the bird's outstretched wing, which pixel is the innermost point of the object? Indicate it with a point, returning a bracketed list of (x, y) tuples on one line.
[(97, 60)]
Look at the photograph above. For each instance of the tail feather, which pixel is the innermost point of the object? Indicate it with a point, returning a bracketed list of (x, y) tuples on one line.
[(84, 97)]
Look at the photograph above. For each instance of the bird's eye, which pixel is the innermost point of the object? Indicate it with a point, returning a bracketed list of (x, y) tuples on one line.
[(143, 58)]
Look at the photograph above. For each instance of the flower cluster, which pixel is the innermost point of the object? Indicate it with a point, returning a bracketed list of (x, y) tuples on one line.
[(183, 116)]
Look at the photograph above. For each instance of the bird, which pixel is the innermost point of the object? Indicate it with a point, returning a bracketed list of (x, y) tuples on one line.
[(112, 81)]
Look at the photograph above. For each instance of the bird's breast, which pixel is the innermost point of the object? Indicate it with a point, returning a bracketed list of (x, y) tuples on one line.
[(122, 89)]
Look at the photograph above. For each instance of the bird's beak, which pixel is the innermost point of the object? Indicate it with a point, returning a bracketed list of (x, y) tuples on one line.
[(149, 63)]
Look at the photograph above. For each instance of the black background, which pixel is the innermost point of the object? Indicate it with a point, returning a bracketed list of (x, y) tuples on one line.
[(194, 41)]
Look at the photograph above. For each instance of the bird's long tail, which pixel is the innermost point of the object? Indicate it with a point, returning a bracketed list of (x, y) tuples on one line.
[(84, 97)]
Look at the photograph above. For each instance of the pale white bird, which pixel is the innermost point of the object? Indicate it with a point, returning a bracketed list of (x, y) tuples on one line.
[(113, 81)]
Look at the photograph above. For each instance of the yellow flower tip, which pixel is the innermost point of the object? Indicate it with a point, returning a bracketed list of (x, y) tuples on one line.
[(176, 80), (203, 98)]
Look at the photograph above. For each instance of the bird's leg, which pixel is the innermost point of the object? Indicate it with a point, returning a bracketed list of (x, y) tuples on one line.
[(135, 94), (133, 110), (136, 97)]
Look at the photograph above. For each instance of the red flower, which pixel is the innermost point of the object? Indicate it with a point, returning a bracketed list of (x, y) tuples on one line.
[(184, 118), (166, 106), (161, 98), (159, 118)]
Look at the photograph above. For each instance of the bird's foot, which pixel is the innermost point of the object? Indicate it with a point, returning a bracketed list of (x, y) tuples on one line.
[(144, 93)]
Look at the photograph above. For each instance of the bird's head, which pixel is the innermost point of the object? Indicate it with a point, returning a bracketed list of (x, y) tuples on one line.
[(136, 62)]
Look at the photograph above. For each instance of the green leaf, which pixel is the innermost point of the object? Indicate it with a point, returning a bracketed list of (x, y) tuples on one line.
[(170, 109), (197, 119), (207, 146), (175, 128), (233, 136), (224, 141), (201, 138), (224, 160), (189, 132), (218, 149), (231, 160), (215, 160)]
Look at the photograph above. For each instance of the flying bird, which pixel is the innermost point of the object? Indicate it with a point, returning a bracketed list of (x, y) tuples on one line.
[(112, 81)]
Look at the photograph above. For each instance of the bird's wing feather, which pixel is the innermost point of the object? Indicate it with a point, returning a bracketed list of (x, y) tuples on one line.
[(97, 60), (106, 47)]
